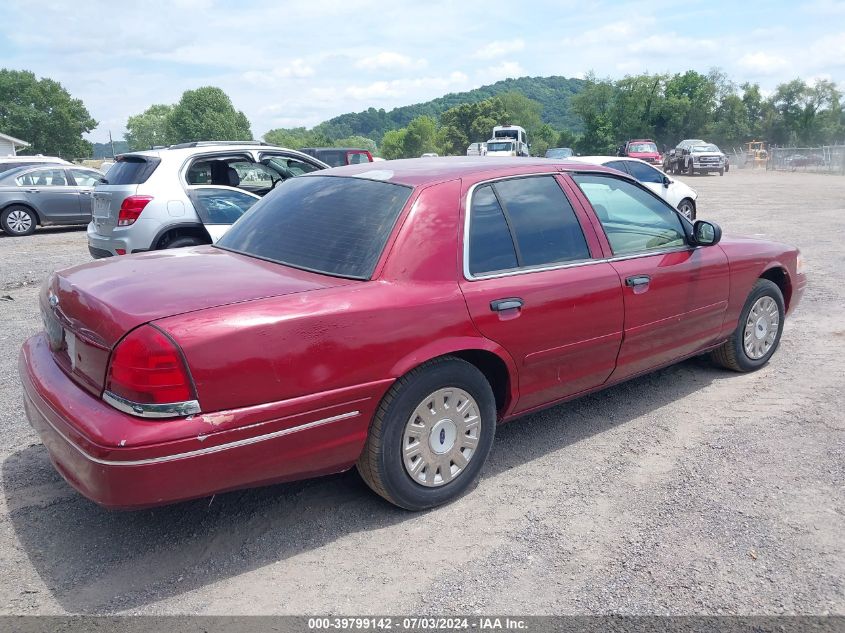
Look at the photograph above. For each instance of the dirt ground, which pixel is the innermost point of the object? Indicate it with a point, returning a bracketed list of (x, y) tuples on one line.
[(689, 491)]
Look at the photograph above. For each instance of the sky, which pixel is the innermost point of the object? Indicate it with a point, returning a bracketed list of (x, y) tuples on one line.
[(288, 64)]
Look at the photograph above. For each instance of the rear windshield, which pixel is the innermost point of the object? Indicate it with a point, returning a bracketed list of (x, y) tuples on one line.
[(330, 225), (131, 170)]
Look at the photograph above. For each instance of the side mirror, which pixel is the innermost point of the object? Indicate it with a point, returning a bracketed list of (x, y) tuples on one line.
[(666, 181), (706, 233)]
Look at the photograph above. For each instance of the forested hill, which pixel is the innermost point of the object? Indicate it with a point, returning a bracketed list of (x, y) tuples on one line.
[(553, 93)]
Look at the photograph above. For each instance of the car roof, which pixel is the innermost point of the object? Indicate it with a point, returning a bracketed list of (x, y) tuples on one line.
[(169, 153), (416, 172), (603, 160)]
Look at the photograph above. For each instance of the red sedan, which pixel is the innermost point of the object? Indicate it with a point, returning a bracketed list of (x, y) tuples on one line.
[(386, 316)]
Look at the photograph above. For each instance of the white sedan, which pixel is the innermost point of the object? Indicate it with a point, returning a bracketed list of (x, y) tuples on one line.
[(676, 193)]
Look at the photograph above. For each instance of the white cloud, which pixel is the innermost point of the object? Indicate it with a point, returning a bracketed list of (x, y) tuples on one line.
[(389, 60), (499, 48), (297, 68), (407, 88), (504, 70), (762, 63)]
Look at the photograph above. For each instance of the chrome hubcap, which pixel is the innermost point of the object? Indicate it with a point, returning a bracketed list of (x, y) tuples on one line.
[(441, 437), (19, 221), (686, 210), (761, 328)]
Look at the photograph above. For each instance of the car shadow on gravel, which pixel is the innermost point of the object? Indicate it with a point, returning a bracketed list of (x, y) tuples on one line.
[(94, 560)]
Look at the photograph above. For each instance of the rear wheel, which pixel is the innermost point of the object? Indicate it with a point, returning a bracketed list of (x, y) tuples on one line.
[(18, 220), (758, 332), (431, 435), (180, 242)]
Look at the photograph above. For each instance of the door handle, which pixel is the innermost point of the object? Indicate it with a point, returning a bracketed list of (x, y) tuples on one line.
[(510, 303), (637, 280), (33, 191)]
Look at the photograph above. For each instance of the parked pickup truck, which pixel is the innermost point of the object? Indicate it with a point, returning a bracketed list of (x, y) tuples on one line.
[(694, 156)]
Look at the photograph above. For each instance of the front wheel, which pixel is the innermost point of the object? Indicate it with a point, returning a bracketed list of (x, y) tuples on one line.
[(687, 208), (758, 332), (431, 435)]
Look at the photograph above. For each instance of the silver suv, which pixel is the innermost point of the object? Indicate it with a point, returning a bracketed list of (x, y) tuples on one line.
[(185, 194)]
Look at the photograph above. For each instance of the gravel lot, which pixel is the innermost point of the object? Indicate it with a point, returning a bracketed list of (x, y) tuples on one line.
[(692, 490)]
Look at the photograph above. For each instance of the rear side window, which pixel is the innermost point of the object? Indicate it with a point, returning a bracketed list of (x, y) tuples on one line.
[(490, 244), (220, 206), (523, 222), (335, 226), (335, 158), (132, 170)]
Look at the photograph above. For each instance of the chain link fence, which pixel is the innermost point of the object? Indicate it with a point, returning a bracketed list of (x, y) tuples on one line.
[(828, 159)]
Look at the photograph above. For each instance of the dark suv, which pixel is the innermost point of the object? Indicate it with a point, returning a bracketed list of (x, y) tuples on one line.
[(339, 156)]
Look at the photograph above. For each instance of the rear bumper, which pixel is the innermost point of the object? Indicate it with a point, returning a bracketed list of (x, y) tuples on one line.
[(145, 471)]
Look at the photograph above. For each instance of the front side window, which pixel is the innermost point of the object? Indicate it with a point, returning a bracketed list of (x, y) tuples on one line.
[(633, 219), (324, 224), (643, 172), (43, 178), (523, 223)]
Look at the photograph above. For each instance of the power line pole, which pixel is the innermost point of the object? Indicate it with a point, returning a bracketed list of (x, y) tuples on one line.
[(112, 145)]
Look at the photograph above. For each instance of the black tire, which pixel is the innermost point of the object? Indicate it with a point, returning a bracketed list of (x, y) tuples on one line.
[(721, 172), (732, 354), (687, 208), (381, 462), (180, 242), (19, 211)]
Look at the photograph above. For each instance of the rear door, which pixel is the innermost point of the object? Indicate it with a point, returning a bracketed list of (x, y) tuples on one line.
[(83, 180), (48, 191), (220, 207), (535, 282), (675, 294), (122, 181)]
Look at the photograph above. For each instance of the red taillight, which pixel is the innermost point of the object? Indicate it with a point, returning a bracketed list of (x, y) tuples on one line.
[(131, 208), (147, 368), (120, 251)]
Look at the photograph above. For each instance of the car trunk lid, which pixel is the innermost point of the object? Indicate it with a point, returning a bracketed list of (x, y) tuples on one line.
[(89, 308)]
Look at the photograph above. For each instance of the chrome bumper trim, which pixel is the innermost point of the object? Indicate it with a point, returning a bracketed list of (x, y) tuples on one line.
[(202, 451), (169, 410)]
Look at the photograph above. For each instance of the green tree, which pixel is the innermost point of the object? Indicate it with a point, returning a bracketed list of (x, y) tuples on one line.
[(393, 144), (358, 142), (297, 137), (43, 113), (420, 137), (470, 123), (207, 114), (149, 128)]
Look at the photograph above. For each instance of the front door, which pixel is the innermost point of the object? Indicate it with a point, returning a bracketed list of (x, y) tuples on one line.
[(535, 282), (675, 294)]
